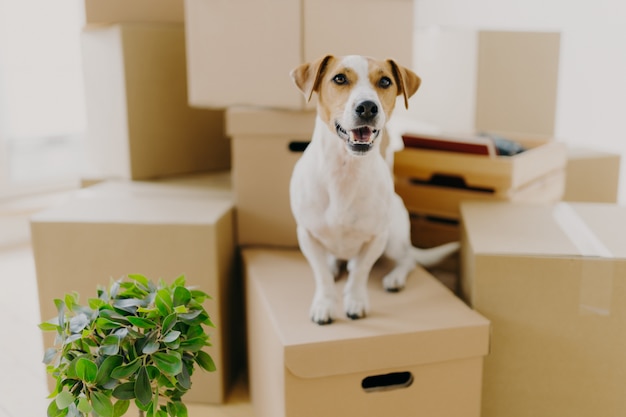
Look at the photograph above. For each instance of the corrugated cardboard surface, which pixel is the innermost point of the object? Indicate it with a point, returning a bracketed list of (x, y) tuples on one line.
[(110, 230), (116, 11), (424, 329), (592, 175), (517, 81), (551, 278), (248, 62), (139, 122), (262, 167)]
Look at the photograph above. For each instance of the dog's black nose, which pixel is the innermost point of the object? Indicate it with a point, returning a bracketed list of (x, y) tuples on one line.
[(366, 110)]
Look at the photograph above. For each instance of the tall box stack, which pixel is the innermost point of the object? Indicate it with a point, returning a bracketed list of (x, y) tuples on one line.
[(515, 99), (552, 280), (139, 122), (158, 229)]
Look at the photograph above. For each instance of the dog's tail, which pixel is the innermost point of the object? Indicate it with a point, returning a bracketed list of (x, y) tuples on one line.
[(432, 256)]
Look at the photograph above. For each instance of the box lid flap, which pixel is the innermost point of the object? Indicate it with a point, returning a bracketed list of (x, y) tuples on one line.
[(253, 121), (424, 323), (561, 229)]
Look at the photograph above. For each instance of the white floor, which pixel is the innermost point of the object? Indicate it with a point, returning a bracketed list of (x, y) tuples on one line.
[(23, 388)]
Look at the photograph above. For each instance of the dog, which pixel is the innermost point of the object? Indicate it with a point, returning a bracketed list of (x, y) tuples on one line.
[(342, 191)]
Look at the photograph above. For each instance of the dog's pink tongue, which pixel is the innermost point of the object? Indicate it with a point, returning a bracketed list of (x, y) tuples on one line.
[(362, 134)]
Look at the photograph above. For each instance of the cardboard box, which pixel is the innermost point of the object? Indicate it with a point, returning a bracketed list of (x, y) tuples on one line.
[(551, 279), (419, 351), (239, 64), (592, 175), (508, 82), (115, 228), (266, 144), (139, 123), (445, 201), (117, 11)]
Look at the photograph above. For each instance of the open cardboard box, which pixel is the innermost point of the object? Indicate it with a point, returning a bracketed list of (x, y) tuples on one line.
[(418, 352), (552, 280)]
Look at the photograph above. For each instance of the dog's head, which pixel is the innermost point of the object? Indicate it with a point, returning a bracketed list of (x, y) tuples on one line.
[(356, 95)]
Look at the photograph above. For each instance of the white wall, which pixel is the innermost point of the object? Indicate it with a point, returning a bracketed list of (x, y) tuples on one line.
[(591, 103)]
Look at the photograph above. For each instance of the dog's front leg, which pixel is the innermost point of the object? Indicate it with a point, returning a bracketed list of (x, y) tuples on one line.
[(355, 296), (324, 303)]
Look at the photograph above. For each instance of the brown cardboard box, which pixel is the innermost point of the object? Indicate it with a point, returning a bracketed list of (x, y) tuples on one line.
[(117, 11), (551, 278), (592, 175), (139, 123), (423, 335), (266, 144), (115, 228), (242, 53), (445, 201)]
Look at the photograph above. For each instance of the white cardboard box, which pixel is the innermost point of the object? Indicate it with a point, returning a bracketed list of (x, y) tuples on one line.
[(418, 352), (241, 53), (139, 122), (552, 279), (116, 228)]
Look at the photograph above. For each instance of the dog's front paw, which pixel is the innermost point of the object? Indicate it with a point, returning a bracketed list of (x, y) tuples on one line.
[(394, 281), (323, 310), (356, 305)]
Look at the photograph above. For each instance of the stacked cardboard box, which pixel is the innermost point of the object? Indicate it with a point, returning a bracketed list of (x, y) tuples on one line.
[(158, 229), (270, 125), (551, 279), (139, 122), (515, 99)]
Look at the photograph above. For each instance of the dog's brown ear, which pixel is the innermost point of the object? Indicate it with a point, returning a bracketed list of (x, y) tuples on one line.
[(308, 76), (408, 82)]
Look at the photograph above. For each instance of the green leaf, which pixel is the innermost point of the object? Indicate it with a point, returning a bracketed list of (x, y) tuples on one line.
[(71, 300), (48, 326), (124, 371), (125, 391), (49, 355), (106, 368), (64, 399), (193, 345), (102, 404), (150, 347), (106, 324), (168, 363), (183, 378), (141, 322), (181, 310), (181, 409), (120, 408), (181, 296), (179, 281), (205, 361), (86, 370), (143, 391), (140, 279), (168, 323), (171, 336), (84, 406), (53, 410), (95, 303), (163, 301)]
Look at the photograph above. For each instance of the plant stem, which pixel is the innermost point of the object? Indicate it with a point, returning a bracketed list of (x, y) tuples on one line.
[(140, 413)]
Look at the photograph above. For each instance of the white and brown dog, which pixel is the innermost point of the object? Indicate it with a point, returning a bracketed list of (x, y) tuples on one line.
[(342, 191)]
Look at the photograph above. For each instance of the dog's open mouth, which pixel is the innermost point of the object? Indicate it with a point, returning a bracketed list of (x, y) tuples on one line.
[(359, 140)]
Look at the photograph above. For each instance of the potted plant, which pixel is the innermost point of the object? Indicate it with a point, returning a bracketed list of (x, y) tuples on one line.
[(137, 341)]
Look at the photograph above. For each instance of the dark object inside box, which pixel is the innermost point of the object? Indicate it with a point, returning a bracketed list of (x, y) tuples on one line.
[(482, 144)]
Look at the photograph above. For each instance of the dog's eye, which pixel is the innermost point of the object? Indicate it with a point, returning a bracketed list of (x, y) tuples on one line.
[(340, 79), (384, 82)]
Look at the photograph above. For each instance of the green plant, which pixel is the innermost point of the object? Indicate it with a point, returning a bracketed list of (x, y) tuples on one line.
[(136, 341)]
